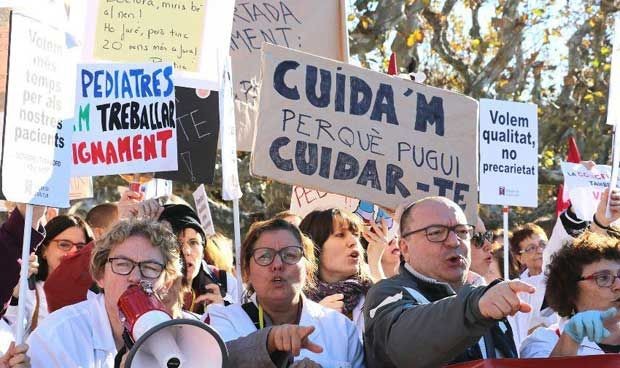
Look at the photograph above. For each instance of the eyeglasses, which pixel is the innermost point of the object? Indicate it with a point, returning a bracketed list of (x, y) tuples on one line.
[(289, 255), (477, 240), (67, 245), (124, 266), (533, 248), (605, 278), (439, 233)]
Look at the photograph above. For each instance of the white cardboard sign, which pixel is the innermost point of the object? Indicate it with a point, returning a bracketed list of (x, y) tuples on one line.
[(584, 187), (508, 153), (204, 212), (36, 162), (344, 129), (194, 35), (125, 119)]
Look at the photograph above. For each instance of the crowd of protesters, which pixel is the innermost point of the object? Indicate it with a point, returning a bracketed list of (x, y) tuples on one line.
[(325, 290)]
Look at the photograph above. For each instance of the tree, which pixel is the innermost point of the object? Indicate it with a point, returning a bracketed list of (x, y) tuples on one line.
[(556, 55)]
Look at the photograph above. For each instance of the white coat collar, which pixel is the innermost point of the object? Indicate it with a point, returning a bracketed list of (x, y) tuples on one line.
[(102, 329)]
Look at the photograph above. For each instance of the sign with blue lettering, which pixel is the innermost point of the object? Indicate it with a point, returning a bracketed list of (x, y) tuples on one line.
[(508, 153), (125, 119), (343, 129)]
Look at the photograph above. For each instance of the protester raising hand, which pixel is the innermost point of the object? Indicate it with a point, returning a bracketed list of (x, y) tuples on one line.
[(15, 357), (502, 299), (376, 234), (291, 338), (600, 221), (132, 206)]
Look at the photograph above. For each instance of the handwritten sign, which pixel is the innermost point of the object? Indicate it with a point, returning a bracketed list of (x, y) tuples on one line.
[(351, 131), (317, 27), (305, 200), (36, 148), (125, 119), (204, 212), (508, 153), (191, 34), (197, 133)]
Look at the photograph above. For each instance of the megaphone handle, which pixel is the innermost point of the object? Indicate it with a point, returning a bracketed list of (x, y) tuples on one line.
[(118, 359)]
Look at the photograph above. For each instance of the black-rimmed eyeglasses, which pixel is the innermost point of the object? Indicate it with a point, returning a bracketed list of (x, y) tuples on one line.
[(289, 255), (439, 233), (124, 266)]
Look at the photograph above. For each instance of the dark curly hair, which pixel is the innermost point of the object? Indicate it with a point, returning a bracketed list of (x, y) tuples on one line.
[(567, 264)]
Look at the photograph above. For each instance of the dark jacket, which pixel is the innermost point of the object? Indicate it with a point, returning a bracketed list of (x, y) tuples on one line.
[(412, 322), (11, 239)]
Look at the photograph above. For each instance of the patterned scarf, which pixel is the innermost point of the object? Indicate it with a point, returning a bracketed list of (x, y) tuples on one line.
[(352, 289)]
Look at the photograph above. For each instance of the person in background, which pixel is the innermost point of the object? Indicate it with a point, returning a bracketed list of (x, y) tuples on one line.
[(528, 243), (278, 324), (583, 286), (428, 315), (289, 217), (90, 333), (481, 256), (219, 248), (342, 277), (101, 218), (11, 240), (65, 235), (208, 283)]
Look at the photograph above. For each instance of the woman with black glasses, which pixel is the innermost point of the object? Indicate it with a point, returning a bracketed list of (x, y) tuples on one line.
[(583, 286), (90, 333), (65, 235), (278, 324)]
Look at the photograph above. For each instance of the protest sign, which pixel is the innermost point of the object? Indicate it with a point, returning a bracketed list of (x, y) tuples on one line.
[(508, 153), (317, 27), (36, 148), (125, 119), (204, 212), (365, 134), (198, 124), (192, 34), (5, 15), (584, 187), (230, 174), (81, 187), (305, 200)]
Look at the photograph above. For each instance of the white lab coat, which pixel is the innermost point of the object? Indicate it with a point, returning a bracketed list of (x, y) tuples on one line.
[(333, 331), (6, 336), (541, 342), (78, 335), (521, 323), (31, 298)]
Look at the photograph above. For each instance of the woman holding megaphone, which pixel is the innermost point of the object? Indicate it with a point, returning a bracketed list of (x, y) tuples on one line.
[(90, 333), (279, 325)]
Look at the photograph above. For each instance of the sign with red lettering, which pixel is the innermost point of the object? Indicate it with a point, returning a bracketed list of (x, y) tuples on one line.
[(125, 119), (347, 130)]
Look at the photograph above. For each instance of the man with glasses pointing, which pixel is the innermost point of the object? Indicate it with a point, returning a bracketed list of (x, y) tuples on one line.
[(428, 316)]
